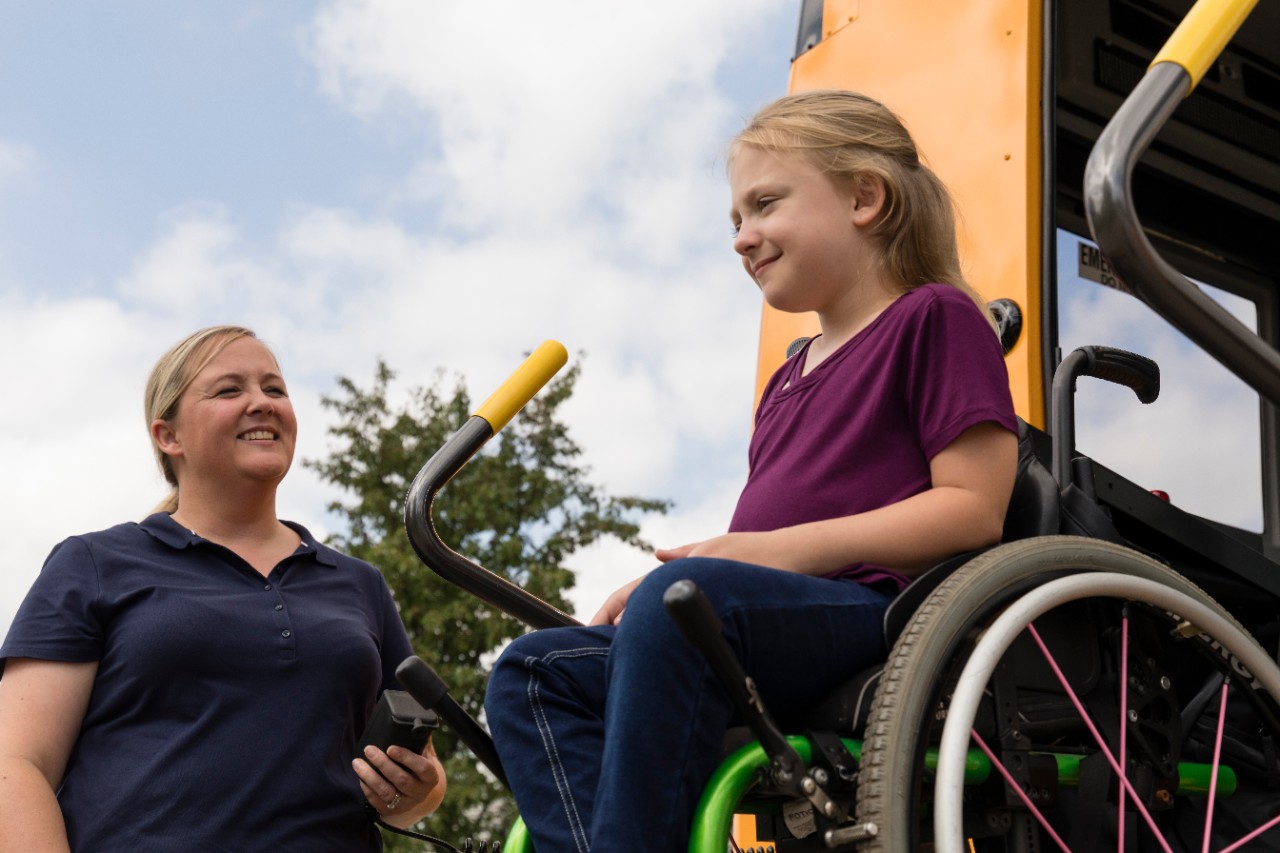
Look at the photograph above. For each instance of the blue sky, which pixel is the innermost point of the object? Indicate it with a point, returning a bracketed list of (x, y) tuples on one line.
[(442, 185)]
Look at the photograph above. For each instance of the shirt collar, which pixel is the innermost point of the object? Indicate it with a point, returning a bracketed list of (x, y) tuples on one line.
[(164, 529)]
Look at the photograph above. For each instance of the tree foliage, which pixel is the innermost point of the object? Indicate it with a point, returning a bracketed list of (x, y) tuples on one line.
[(520, 508)]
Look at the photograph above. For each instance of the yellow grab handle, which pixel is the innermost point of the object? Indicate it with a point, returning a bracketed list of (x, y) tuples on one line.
[(1203, 35), (520, 386)]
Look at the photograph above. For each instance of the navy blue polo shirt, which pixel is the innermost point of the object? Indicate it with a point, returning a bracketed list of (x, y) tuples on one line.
[(227, 705)]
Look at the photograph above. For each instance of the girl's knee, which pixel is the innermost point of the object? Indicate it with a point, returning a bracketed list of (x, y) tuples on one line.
[(545, 647), (709, 575), (646, 603), (511, 670)]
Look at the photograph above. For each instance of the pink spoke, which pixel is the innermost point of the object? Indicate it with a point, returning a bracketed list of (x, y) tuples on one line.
[(1273, 822), (1124, 709), (1097, 736), (1217, 756), (1017, 789)]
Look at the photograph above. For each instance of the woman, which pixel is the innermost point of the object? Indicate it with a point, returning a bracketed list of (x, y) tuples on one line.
[(198, 681)]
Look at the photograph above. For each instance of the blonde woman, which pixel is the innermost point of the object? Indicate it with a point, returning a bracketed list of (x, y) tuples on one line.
[(197, 681)]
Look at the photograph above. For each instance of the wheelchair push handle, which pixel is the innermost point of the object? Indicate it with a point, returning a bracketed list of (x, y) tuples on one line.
[(490, 417), (1136, 372), (511, 396)]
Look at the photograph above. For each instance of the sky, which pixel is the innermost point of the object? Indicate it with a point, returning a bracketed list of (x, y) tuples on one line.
[(441, 186)]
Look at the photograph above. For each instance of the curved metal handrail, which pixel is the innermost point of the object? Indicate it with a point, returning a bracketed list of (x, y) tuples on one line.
[(1113, 220), (492, 416)]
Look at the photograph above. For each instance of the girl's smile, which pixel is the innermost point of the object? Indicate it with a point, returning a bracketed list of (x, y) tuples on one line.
[(804, 239)]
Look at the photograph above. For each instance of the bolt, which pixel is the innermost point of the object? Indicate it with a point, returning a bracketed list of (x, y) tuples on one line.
[(820, 776), (1165, 683), (1133, 716)]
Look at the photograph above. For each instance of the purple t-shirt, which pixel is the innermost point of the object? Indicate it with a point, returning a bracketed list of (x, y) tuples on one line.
[(859, 431)]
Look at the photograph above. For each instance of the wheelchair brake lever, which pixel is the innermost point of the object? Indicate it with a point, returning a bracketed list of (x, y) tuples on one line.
[(700, 625), (422, 683)]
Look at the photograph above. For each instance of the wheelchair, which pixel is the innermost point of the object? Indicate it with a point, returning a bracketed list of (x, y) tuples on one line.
[(998, 720), (1104, 678)]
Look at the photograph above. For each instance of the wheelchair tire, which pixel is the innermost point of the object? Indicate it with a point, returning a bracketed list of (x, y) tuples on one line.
[(894, 791)]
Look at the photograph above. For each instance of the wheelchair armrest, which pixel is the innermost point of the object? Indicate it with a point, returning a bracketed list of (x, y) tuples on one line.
[(902, 608), (1034, 510)]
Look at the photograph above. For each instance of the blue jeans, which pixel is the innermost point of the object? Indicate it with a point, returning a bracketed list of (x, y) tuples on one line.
[(608, 735)]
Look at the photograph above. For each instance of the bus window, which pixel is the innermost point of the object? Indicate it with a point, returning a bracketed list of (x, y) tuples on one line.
[(1201, 441)]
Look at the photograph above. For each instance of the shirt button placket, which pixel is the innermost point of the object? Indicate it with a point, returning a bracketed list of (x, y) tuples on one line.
[(282, 622)]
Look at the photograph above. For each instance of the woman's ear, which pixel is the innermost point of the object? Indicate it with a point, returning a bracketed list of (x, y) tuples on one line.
[(163, 434), (867, 194)]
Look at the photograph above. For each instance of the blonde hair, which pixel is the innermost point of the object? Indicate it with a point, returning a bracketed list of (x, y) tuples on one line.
[(168, 381), (850, 137)]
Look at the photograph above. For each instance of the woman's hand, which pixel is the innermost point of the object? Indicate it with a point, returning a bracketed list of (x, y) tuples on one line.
[(401, 785)]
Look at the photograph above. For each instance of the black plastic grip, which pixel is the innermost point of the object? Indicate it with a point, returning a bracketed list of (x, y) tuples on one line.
[(698, 622), (1133, 371), (422, 683), (1122, 367), (693, 614)]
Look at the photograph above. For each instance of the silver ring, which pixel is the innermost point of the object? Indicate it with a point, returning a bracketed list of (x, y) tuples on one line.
[(395, 801)]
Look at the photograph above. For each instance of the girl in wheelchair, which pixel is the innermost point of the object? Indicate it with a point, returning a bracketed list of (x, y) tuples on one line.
[(884, 445)]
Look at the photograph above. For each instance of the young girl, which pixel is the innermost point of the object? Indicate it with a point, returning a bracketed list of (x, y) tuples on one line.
[(885, 445)]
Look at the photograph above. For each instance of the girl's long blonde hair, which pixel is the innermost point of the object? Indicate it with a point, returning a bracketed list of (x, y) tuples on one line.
[(851, 136)]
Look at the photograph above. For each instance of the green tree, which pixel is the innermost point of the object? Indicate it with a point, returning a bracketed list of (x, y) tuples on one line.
[(521, 507)]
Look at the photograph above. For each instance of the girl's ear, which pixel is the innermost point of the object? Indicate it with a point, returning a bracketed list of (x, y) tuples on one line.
[(867, 195), (162, 433)]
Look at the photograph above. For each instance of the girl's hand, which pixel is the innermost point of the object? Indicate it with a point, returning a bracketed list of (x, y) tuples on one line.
[(405, 787), (611, 611), (759, 549)]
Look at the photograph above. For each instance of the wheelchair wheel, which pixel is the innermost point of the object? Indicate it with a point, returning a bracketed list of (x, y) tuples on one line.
[(1026, 717)]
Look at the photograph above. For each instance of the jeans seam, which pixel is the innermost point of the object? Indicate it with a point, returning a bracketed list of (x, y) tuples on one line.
[(558, 774)]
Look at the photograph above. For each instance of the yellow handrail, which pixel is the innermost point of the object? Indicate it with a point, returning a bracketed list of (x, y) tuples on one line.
[(1203, 34)]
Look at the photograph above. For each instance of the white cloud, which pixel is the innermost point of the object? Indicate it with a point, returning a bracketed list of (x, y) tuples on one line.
[(199, 266), (72, 432), (569, 181), (539, 112), (608, 565), (1199, 441)]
